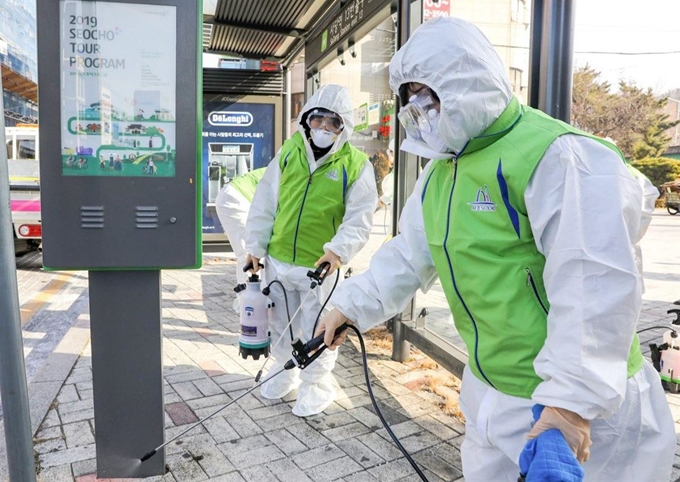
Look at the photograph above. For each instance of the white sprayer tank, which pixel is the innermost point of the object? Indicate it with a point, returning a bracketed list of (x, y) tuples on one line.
[(254, 338)]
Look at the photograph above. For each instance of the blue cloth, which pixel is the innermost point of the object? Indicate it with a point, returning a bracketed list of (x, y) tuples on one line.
[(548, 458)]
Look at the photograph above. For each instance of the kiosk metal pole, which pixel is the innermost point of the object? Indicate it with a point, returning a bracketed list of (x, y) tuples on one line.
[(127, 370), (13, 388)]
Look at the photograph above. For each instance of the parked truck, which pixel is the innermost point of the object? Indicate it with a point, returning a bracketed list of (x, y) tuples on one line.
[(24, 186)]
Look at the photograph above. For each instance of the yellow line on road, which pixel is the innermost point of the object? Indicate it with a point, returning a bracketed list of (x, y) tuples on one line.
[(44, 296)]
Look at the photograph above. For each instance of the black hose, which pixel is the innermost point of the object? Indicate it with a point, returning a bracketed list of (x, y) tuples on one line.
[(285, 297), (337, 277), (653, 328), (366, 376), (377, 409)]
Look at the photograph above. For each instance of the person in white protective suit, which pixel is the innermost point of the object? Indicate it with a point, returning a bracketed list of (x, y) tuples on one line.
[(529, 225), (232, 205), (313, 205)]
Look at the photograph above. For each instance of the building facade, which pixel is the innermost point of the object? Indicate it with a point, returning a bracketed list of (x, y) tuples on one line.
[(18, 60)]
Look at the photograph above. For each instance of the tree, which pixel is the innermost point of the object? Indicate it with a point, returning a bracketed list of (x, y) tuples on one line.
[(633, 118), (659, 170), (590, 102)]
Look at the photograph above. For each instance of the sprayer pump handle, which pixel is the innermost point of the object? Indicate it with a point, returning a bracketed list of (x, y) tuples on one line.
[(250, 266), (319, 274), (676, 312)]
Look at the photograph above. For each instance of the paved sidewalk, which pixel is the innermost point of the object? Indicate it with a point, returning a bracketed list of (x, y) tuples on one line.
[(255, 438), (258, 439)]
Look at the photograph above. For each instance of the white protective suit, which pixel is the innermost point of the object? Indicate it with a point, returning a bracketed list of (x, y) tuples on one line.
[(584, 207), (316, 391), (232, 210)]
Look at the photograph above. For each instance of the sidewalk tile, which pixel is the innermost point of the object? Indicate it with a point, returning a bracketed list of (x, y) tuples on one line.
[(334, 470), (287, 471), (67, 456), (243, 445), (308, 436), (346, 431), (220, 430), (255, 457), (61, 473), (185, 469), (321, 455), (187, 390), (78, 434), (181, 413)]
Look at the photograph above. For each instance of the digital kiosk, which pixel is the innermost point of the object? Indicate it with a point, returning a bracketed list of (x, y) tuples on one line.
[(120, 170)]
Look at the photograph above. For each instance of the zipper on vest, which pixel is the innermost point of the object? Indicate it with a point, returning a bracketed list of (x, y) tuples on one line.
[(532, 283), (302, 205), (453, 278)]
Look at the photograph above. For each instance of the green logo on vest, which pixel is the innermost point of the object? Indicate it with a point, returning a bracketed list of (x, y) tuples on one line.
[(483, 201)]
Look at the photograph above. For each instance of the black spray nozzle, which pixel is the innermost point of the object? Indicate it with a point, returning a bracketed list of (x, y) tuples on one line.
[(301, 351), (148, 455), (319, 274), (239, 287)]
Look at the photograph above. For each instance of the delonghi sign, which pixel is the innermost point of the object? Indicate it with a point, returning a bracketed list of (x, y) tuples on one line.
[(230, 119)]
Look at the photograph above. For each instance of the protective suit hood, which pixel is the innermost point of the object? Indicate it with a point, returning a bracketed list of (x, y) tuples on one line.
[(456, 60), (334, 98)]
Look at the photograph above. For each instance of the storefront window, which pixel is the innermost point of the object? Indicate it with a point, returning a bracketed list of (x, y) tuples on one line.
[(364, 70)]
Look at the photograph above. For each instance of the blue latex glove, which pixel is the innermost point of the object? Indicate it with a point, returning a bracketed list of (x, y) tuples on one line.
[(548, 458)]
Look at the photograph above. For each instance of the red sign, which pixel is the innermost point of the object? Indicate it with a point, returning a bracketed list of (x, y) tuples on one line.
[(436, 8)]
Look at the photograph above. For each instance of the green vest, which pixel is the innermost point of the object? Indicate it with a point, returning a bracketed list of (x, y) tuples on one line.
[(484, 251), (247, 183), (311, 206)]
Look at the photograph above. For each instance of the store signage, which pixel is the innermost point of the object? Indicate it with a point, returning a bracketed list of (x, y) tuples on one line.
[(237, 137), (436, 8), (374, 113), (230, 119), (349, 19), (361, 118)]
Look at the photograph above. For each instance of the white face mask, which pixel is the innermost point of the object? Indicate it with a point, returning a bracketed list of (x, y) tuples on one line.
[(323, 138), (432, 138)]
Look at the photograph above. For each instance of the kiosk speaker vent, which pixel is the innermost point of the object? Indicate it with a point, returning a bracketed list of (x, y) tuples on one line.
[(92, 217), (146, 217)]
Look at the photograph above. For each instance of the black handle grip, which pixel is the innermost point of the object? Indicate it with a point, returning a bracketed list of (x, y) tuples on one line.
[(302, 352), (250, 266), (316, 342), (676, 312), (319, 274)]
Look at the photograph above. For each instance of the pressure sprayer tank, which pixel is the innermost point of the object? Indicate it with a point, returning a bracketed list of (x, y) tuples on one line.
[(670, 357), (254, 338)]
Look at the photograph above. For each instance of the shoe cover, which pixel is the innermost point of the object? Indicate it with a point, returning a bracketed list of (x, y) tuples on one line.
[(314, 398), (282, 384)]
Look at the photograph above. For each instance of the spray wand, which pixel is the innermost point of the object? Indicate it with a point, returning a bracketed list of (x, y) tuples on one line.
[(302, 357)]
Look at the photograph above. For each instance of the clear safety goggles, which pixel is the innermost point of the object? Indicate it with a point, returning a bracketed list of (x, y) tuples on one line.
[(330, 120), (417, 116)]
